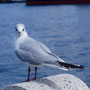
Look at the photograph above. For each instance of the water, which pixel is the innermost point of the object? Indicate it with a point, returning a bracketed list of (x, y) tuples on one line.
[(65, 29)]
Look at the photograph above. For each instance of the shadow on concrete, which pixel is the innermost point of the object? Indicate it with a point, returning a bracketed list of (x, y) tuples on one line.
[(14, 88), (49, 83)]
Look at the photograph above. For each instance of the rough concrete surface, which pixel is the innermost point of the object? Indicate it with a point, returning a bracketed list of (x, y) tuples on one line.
[(55, 82)]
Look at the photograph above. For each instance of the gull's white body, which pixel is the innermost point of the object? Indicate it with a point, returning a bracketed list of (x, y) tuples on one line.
[(35, 53)]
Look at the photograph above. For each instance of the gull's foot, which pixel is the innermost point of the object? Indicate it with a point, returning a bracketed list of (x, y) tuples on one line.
[(27, 80), (34, 79)]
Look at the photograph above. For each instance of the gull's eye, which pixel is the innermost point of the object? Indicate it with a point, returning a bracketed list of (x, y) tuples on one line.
[(23, 30)]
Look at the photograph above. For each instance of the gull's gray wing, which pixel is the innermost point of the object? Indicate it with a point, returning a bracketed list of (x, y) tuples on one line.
[(37, 53)]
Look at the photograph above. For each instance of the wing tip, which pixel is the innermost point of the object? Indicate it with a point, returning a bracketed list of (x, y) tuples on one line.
[(68, 65)]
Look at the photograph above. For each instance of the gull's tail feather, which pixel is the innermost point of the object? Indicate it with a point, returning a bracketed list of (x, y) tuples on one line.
[(70, 66)]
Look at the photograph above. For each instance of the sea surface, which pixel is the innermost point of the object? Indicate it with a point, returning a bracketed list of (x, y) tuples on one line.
[(65, 29)]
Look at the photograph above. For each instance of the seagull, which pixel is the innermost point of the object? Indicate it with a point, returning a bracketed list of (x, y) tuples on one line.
[(37, 54)]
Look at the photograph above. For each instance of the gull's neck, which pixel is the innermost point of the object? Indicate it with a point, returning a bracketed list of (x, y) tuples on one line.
[(21, 39), (23, 34)]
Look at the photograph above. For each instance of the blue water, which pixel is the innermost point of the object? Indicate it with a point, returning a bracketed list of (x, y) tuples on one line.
[(65, 29)]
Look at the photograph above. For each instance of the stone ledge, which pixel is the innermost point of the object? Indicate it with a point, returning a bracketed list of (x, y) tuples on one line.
[(55, 82)]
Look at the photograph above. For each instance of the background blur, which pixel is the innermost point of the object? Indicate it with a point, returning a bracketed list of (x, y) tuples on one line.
[(65, 29)]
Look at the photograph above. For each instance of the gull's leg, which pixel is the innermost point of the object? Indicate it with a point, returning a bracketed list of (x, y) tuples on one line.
[(35, 73), (28, 74)]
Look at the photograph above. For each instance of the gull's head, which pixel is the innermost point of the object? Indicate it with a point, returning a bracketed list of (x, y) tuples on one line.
[(20, 29)]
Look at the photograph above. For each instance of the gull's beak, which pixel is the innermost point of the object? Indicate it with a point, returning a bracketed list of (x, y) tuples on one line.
[(19, 32)]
